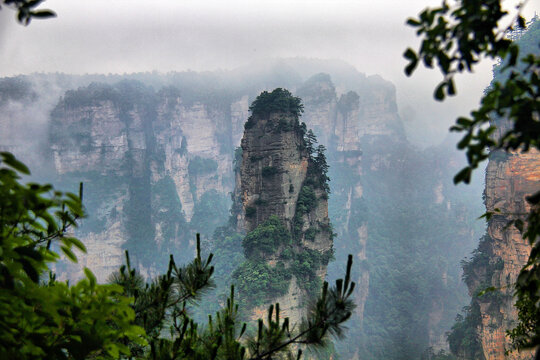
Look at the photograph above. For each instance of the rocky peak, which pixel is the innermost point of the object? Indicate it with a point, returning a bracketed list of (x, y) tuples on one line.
[(274, 165), (283, 194), (502, 252)]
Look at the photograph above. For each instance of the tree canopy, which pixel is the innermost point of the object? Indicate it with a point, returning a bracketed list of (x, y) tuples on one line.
[(279, 100), (41, 317)]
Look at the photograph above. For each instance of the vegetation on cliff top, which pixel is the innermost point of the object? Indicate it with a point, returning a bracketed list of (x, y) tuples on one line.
[(279, 100)]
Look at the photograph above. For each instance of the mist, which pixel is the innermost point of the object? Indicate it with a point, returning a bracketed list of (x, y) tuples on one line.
[(138, 36)]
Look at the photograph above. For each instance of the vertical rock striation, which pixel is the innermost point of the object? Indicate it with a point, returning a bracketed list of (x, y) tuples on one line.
[(346, 124), (148, 160), (510, 177)]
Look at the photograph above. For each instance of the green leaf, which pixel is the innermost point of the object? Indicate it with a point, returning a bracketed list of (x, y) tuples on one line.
[(69, 241), (70, 255), (30, 270), (22, 15), (413, 61), (410, 54), (29, 252), (487, 215), (463, 176), (410, 67), (534, 199), (43, 14), (11, 161), (464, 142), (90, 276), (439, 92), (487, 290), (32, 4), (450, 87), (413, 22), (464, 122)]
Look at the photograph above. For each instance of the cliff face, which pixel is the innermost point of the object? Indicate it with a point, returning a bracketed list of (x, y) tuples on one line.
[(184, 132), (147, 160), (345, 123), (106, 147), (395, 208), (279, 183), (509, 179), (274, 167)]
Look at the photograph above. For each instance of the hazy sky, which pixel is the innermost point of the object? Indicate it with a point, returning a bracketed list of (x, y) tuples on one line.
[(123, 36)]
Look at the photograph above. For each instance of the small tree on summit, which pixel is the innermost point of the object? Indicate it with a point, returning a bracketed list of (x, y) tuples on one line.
[(279, 100)]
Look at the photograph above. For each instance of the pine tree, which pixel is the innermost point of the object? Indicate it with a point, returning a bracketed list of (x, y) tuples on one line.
[(163, 307)]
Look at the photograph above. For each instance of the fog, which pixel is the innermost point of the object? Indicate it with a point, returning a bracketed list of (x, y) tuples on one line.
[(103, 36)]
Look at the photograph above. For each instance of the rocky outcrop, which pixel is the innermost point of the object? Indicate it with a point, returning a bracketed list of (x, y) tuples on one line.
[(184, 132), (510, 177), (104, 145), (280, 179), (274, 167)]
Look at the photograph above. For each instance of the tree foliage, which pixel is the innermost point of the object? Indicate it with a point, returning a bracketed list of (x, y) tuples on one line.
[(163, 309), (42, 318), (318, 172), (26, 10), (454, 39), (279, 100), (266, 238)]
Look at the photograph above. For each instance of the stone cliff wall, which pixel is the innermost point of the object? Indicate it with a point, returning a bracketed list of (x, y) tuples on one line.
[(278, 179), (346, 123), (509, 179), (274, 167), (147, 160)]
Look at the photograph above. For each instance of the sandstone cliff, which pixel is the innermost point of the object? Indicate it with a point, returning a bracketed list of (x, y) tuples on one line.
[(282, 181), (147, 160), (344, 122), (387, 200), (510, 177)]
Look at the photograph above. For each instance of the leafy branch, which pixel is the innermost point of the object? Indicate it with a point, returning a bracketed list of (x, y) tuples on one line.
[(166, 301), (26, 10)]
